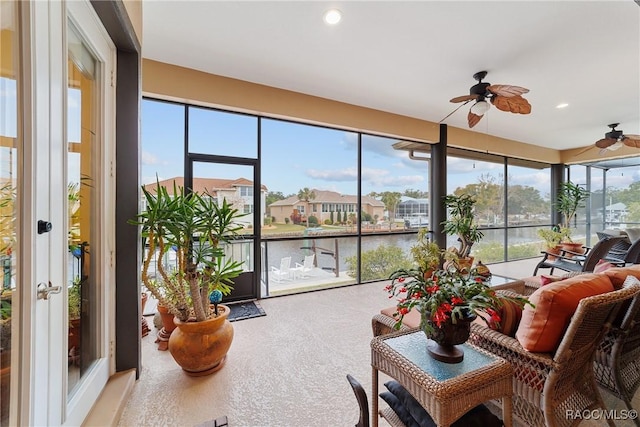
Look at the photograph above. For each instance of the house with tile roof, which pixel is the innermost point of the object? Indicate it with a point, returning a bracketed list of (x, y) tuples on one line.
[(324, 204), (238, 192)]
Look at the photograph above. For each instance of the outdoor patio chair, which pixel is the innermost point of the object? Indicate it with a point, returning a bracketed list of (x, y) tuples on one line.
[(363, 402), (617, 361), (573, 261), (630, 256), (547, 385), (284, 272), (302, 270)]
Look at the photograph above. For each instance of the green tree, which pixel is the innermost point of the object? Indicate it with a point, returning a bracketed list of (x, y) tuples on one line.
[(526, 200), (390, 200), (306, 195), (416, 194), (488, 196), (379, 263), (274, 196)]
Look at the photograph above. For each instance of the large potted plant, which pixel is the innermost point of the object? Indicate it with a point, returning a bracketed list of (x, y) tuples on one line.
[(196, 228), (461, 223), (571, 197)]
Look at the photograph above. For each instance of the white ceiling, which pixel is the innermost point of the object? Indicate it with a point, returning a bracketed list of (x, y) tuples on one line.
[(412, 57)]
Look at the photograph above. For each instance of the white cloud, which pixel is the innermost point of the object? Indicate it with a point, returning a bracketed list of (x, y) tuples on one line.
[(149, 158)]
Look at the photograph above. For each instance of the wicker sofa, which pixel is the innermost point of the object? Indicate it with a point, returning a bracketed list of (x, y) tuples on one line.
[(547, 384)]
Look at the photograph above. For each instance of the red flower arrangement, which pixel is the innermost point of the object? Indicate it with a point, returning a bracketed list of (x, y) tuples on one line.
[(445, 295)]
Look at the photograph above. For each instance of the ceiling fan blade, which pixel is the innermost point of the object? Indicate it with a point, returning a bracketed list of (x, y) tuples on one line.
[(463, 98), (473, 119), (632, 141), (512, 104), (605, 142), (507, 90)]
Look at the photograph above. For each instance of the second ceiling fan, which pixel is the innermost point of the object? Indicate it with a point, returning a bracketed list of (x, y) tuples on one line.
[(503, 97)]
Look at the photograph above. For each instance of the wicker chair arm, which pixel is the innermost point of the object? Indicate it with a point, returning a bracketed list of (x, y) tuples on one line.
[(382, 325), (503, 345)]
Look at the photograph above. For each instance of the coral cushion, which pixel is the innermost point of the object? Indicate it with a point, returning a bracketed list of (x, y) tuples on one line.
[(619, 274), (411, 319), (542, 328), (545, 280), (601, 266)]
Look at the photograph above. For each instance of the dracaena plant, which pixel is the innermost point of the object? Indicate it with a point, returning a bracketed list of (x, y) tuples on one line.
[(196, 228)]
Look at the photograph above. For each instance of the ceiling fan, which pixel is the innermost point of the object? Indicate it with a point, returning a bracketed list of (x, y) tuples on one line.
[(503, 97), (615, 139)]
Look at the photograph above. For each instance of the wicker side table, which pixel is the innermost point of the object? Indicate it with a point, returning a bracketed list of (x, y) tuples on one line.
[(446, 391)]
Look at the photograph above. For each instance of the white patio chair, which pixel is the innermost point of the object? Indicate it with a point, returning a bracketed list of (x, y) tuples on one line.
[(284, 272), (302, 270)]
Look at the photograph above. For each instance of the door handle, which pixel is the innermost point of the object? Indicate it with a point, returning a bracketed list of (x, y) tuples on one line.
[(44, 290)]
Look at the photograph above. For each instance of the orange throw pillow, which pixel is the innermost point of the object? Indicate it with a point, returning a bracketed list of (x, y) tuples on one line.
[(542, 328)]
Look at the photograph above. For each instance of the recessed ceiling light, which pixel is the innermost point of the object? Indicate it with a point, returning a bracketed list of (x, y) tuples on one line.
[(563, 105), (332, 16)]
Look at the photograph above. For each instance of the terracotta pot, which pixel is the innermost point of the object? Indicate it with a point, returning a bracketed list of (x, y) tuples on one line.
[(464, 264), (200, 348), (573, 247), (167, 319), (555, 250), (168, 326)]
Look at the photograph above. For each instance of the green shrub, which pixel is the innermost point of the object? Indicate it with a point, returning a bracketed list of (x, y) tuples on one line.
[(379, 263), (328, 222), (287, 220), (313, 220)]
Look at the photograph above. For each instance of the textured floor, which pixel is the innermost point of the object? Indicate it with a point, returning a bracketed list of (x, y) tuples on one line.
[(287, 368)]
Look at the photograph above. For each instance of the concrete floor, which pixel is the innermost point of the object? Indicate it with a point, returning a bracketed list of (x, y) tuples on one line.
[(287, 368)]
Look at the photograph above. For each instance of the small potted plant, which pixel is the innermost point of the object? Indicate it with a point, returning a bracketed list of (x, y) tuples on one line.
[(462, 223), (196, 227), (571, 197), (448, 301), (426, 254), (552, 238)]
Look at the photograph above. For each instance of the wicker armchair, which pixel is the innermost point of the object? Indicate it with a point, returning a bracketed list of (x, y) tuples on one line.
[(617, 361), (546, 386)]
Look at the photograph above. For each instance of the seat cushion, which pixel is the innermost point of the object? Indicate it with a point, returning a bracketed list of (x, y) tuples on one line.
[(411, 319), (619, 274), (510, 315), (480, 416), (542, 328)]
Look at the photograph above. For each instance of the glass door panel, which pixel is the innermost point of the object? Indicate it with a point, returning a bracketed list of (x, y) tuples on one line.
[(10, 143), (235, 184), (81, 131)]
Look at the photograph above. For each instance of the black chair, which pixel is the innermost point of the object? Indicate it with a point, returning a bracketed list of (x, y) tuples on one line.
[(363, 402), (630, 256), (575, 262)]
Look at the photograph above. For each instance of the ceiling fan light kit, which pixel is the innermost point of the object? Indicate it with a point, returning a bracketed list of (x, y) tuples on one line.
[(503, 97)]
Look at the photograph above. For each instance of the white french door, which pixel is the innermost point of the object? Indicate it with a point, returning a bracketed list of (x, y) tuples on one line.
[(65, 236)]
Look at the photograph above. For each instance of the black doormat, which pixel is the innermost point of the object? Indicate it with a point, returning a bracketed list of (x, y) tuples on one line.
[(245, 310)]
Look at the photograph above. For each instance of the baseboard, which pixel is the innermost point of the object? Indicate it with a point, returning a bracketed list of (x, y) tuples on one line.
[(112, 400)]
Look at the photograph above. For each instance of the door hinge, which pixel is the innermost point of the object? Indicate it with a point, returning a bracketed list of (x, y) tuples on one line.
[(111, 349), (111, 168), (111, 258), (113, 78)]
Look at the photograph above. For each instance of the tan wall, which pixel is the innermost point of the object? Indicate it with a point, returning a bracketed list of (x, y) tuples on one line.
[(134, 10), (186, 85)]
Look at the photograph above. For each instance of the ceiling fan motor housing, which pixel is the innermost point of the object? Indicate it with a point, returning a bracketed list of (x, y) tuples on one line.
[(479, 89), (614, 134)]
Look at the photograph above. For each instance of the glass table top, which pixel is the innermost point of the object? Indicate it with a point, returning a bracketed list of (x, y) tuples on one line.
[(413, 346)]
